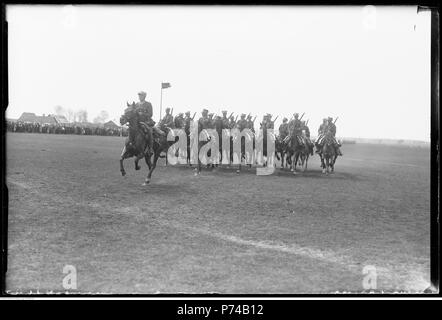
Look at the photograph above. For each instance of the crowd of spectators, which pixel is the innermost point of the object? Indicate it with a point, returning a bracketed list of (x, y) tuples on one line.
[(35, 127)]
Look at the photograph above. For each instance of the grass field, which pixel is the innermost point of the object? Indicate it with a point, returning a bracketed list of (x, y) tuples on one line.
[(217, 232)]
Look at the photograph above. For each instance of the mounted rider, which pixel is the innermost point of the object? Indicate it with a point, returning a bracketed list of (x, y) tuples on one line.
[(179, 121), (187, 120), (331, 130), (139, 116), (225, 123), (167, 121), (204, 122), (295, 127), (232, 122), (242, 123), (306, 131), (283, 129), (250, 123)]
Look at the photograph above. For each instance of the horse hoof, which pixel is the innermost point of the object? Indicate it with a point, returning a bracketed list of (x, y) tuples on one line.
[(323, 170), (237, 171), (123, 173), (137, 168), (145, 183)]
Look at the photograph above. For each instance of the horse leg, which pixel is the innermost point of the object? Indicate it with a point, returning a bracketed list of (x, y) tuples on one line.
[(148, 160), (322, 163), (123, 156), (137, 158), (153, 166)]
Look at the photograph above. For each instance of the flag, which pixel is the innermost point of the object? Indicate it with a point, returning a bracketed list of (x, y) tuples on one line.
[(165, 85)]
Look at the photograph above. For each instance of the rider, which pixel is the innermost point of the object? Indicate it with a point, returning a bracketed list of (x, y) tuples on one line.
[(242, 123), (250, 124), (270, 124), (284, 129), (167, 121), (295, 125), (204, 121), (306, 130), (179, 121), (331, 130), (143, 110), (232, 122), (321, 132), (225, 121)]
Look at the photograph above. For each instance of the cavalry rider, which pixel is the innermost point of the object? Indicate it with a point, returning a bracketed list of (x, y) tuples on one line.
[(250, 123), (225, 123), (187, 120), (322, 127), (204, 122), (242, 123), (232, 123), (321, 133), (143, 109), (211, 123), (306, 130), (284, 129), (179, 121), (270, 124), (295, 126), (331, 130), (167, 121)]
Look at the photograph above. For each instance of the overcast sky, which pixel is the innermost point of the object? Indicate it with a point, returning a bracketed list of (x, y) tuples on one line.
[(370, 67)]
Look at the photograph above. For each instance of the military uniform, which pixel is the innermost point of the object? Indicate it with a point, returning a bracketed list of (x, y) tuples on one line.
[(204, 122), (167, 121), (179, 121), (242, 123), (283, 129), (295, 127)]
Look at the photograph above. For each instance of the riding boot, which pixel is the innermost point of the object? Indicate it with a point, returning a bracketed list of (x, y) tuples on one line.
[(149, 148)]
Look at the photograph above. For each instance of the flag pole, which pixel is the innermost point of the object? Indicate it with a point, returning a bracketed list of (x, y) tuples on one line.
[(161, 100)]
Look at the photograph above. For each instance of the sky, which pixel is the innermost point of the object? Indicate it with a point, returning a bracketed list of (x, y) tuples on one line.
[(369, 66)]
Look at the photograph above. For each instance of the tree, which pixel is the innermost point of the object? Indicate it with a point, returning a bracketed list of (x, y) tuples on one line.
[(101, 117)]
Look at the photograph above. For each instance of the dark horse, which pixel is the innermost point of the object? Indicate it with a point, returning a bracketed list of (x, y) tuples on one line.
[(298, 152), (328, 155), (281, 151), (138, 148)]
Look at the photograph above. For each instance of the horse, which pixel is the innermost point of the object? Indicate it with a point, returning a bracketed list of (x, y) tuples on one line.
[(247, 136), (328, 155), (201, 142), (298, 152), (138, 148), (281, 151)]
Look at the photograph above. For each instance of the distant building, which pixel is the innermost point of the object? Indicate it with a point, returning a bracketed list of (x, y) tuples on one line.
[(61, 119), (32, 117), (111, 125), (44, 119)]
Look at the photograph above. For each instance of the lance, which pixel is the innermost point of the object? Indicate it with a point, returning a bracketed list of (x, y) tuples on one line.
[(171, 112), (231, 114), (275, 118), (254, 119), (236, 118), (194, 116), (302, 116), (335, 120), (249, 115)]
